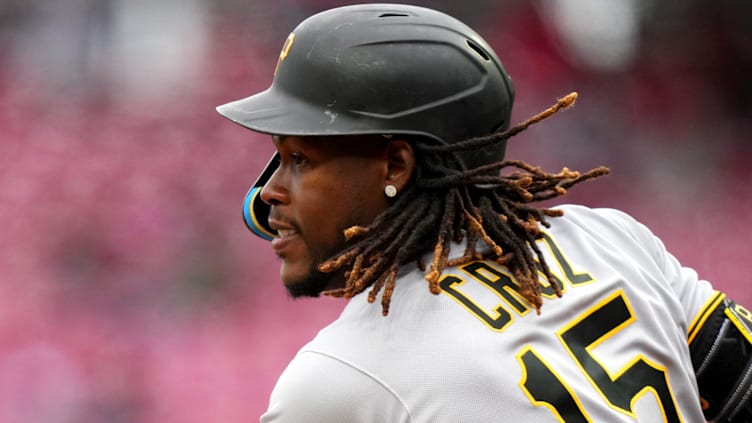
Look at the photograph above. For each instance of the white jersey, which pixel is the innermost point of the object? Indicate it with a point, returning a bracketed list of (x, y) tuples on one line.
[(612, 349)]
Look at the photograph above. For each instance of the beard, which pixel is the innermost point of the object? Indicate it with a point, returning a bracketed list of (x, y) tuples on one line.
[(316, 282)]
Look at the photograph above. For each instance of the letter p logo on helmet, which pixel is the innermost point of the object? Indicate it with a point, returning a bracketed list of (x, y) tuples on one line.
[(285, 50)]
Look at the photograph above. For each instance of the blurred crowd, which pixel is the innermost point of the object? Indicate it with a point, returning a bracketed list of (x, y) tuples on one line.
[(131, 291)]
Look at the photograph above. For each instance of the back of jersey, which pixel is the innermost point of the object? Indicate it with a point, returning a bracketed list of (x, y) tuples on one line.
[(612, 348)]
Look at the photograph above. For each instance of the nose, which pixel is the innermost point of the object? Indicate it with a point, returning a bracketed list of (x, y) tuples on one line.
[(274, 192)]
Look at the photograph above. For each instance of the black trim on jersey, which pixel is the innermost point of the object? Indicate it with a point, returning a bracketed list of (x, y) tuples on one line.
[(721, 355)]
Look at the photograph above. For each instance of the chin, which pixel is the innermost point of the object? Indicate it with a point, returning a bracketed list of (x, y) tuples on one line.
[(302, 278), (312, 284)]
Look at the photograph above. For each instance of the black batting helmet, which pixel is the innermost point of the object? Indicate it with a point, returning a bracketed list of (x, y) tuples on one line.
[(379, 69)]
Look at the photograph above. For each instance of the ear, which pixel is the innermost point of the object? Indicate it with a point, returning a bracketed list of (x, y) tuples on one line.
[(400, 163)]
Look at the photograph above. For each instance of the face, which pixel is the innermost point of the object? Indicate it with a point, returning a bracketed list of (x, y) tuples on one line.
[(322, 186)]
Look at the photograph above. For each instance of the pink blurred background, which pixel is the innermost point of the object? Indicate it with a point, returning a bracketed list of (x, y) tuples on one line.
[(131, 291)]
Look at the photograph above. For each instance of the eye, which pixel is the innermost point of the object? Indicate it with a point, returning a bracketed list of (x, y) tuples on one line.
[(298, 160)]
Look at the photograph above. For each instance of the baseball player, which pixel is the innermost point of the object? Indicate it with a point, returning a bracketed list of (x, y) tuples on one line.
[(389, 186)]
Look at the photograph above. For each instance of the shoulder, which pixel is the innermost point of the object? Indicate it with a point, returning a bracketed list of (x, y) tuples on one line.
[(614, 240), (611, 241), (600, 217), (612, 226), (316, 387)]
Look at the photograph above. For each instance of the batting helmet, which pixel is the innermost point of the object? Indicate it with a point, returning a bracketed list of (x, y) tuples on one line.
[(379, 69)]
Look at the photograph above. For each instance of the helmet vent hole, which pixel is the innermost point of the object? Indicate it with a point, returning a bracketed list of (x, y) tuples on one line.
[(478, 49), (392, 15)]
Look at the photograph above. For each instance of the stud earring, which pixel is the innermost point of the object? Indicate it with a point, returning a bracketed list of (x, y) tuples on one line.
[(390, 191)]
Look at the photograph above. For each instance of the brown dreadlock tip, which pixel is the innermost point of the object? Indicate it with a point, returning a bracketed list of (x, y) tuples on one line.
[(569, 173), (354, 231), (568, 100), (335, 293), (432, 276), (525, 181)]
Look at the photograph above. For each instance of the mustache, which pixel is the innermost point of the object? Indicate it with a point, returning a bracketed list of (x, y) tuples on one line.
[(281, 222)]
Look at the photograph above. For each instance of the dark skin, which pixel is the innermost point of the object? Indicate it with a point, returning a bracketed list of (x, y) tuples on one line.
[(324, 185)]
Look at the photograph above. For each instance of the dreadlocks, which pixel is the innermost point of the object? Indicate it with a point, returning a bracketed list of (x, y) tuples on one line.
[(444, 204)]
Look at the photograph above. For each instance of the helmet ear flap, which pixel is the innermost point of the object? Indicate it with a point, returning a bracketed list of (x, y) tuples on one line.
[(255, 210), (256, 214)]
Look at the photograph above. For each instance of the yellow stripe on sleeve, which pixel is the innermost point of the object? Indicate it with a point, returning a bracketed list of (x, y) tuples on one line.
[(702, 316)]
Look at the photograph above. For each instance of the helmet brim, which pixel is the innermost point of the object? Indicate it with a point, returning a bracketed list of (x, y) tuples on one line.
[(274, 112)]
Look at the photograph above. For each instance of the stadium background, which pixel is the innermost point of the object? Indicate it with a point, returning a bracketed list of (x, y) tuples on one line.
[(130, 290)]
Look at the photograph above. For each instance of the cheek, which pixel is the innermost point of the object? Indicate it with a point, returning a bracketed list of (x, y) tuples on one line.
[(345, 195), (332, 208), (359, 199), (366, 189), (320, 217)]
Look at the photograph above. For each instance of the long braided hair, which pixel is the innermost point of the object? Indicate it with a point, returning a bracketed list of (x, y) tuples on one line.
[(443, 204)]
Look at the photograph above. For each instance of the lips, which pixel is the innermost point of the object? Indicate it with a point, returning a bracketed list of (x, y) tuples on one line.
[(283, 227), (286, 233)]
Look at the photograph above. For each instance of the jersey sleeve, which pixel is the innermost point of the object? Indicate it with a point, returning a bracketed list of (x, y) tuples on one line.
[(719, 333), (317, 388), (693, 293)]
